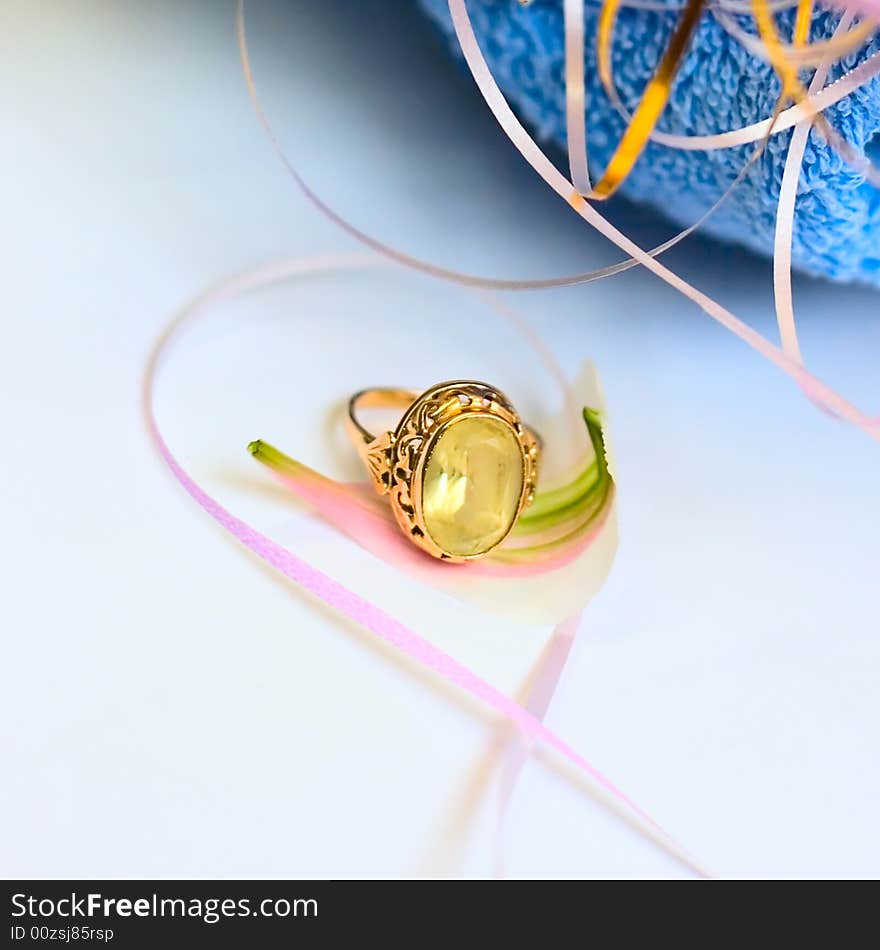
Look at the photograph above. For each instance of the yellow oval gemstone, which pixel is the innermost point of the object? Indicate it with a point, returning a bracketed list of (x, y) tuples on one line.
[(471, 485)]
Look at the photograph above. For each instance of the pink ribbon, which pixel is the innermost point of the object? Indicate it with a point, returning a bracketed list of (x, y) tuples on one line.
[(376, 621)]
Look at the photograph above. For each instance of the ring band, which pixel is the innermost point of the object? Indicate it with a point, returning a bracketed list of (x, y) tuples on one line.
[(459, 468)]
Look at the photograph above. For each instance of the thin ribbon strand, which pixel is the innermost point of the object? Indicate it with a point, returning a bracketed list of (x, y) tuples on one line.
[(541, 693), (799, 56), (654, 98), (604, 42), (785, 210), (811, 106), (575, 108), (802, 23)]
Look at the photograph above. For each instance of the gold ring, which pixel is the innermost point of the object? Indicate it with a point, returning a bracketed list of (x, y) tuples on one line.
[(459, 468)]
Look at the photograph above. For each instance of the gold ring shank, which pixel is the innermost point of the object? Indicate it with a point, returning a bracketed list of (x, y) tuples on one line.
[(379, 398)]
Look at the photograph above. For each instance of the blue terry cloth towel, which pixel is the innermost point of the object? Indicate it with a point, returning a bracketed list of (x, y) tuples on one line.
[(720, 86)]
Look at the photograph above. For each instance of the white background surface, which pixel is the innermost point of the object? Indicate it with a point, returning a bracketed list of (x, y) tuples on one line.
[(170, 708)]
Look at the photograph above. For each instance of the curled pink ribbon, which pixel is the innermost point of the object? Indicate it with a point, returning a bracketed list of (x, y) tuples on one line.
[(372, 618)]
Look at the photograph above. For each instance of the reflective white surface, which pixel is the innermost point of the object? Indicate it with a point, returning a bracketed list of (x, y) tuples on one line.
[(172, 709)]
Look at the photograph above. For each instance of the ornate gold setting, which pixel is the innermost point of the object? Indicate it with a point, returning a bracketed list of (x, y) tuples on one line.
[(396, 460)]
